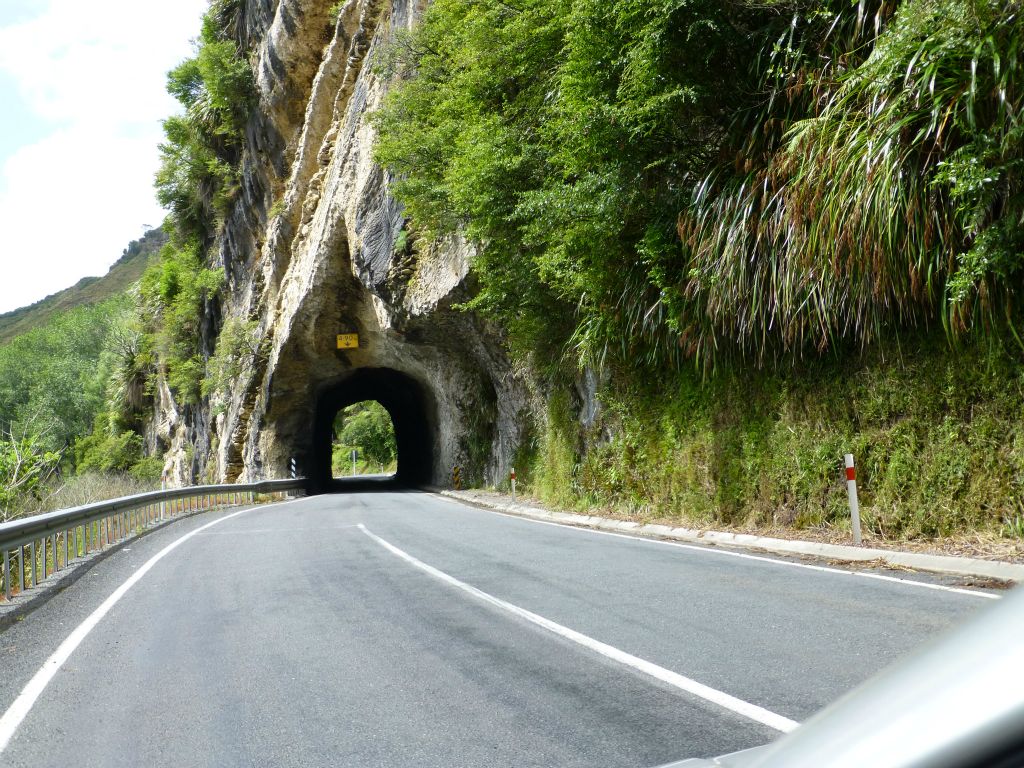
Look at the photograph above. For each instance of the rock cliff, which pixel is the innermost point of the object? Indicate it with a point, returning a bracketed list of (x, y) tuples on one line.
[(316, 246)]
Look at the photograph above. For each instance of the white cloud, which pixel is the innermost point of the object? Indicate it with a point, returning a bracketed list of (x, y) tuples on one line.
[(72, 199)]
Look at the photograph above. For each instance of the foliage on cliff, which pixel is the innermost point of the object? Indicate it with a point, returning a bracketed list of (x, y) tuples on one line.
[(198, 177), (696, 180), (783, 230), (173, 294), (197, 182)]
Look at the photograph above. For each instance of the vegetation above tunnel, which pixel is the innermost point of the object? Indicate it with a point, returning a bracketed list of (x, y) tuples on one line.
[(718, 181), (197, 183)]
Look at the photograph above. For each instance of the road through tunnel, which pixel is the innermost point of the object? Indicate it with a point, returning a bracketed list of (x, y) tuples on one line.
[(413, 414)]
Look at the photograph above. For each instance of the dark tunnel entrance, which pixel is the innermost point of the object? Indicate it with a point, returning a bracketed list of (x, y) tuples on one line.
[(412, 412)]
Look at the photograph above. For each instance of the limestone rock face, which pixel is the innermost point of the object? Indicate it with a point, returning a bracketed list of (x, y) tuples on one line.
[(315, 247)]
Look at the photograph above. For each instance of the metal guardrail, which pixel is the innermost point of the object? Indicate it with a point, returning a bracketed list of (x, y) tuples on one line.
[(69, 534)]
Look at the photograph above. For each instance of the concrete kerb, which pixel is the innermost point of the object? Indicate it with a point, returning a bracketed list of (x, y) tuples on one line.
[(945, 564)]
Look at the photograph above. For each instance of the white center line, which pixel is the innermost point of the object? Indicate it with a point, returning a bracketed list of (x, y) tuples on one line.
[(240, 531), (740, 707)]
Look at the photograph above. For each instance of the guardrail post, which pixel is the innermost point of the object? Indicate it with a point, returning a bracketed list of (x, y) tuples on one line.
[(7, 575)]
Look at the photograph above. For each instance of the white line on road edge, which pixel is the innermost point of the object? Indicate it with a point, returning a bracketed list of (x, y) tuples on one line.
[(740, 707), (709, 549), (22, 705)]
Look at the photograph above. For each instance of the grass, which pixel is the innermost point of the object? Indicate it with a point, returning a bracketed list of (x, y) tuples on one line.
[(341, 463), (83, 489), (936, 434)]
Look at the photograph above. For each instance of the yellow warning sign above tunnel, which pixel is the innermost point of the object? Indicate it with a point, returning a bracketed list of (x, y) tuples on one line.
[(348, 341)]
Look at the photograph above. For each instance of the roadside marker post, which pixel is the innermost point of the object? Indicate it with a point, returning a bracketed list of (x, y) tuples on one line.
[(851, 490), (513, 483)]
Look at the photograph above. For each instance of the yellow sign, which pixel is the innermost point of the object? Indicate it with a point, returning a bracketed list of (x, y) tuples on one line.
[(348, 341)]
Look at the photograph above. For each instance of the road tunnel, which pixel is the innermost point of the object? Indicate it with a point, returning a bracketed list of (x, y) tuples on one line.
[(413, 413)]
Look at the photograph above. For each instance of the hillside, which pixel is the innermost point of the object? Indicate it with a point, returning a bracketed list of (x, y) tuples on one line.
[(87, 291)]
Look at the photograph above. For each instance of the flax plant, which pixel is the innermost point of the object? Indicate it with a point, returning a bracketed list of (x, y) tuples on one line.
[(894, 201)]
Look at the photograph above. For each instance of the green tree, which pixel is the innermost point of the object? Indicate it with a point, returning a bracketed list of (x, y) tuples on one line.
[(367, 427), (25, 465), (51, 381)]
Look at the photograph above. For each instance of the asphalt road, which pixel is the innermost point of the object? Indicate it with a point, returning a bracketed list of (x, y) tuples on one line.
[(288, 635)]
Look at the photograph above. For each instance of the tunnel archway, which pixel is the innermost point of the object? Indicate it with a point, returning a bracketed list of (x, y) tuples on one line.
[(413, 413)]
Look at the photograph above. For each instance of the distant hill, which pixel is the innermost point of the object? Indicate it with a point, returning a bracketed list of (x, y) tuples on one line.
[(89, 290)]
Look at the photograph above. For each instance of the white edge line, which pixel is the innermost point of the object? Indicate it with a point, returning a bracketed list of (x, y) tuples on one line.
[(724, 700), (22, 705), (717, 550)]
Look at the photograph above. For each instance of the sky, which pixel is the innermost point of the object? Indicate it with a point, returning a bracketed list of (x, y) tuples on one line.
[(82, 97)]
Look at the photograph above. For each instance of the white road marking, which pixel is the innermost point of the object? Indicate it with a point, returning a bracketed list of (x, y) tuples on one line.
[(240, 531), (740, 707), (714, 550), (22, 705)]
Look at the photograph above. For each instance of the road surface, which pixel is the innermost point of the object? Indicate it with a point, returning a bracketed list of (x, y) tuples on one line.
[(403, 629)]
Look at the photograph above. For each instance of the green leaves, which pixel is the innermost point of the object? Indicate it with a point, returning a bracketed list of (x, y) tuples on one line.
[(25, 465), (198, 177), (366, 427), (71, 395), (174, 292), (681, 179), (853, 221), (554, 136), (240, 348), (52, 380)]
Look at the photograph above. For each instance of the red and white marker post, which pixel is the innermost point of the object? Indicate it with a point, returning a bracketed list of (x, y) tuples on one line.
[(851, 490), (513, 478)]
